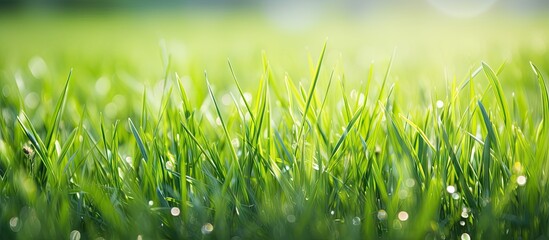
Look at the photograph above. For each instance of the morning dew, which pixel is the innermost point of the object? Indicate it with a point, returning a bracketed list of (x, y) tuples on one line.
[(521, 180)]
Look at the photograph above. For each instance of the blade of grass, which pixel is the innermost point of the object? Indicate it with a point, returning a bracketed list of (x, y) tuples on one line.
[(310, 94), (57, 113), (500, 96), (139, 140)]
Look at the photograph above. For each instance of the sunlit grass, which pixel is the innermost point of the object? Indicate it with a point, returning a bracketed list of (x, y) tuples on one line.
[(263, 148)]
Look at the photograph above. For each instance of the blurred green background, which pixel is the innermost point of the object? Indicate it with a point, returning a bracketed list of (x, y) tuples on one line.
[(117, 48)]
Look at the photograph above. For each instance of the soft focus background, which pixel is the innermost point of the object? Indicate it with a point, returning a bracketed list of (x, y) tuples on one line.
[(115, 42)]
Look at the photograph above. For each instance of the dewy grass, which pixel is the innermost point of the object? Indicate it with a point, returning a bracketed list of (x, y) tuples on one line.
[(287, 163)]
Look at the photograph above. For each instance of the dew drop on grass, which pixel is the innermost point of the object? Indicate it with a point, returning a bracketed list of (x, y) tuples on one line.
[(451, 189), (170, 166), (403, 216), (75, 235), (521, 180), (455, 196), (207, 228), (440, 104), (129, 160), (465, 236), (151, 203), (462, 223), (235, 142), (14, 224), (356, 221), (139, 237), (354, 94), (410, 182), (464, 214), (381, 215), (332, 212), (175, 211)]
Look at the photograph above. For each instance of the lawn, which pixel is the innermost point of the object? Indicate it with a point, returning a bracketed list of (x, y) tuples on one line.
[(225, 125)]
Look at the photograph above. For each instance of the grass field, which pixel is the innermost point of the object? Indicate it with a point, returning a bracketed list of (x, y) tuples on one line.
[(130, 125)]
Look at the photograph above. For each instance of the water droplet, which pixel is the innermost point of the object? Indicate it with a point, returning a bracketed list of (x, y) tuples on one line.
[(170, 166), (291, 218), (14, 224), (465, 236), (129, 160), (521, 180), (75, 235), (332, 212), (451, 189), (235, 142), (354, 94), (410, 182), (403, 216), (455, 196), (464, 214), (139, 237), (381, 215), (462, 223), (356, 221), (151, 203), (175, 211), (440, 104), (207, 228)]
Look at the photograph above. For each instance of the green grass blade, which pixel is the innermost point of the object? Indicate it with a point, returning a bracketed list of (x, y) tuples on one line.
[(500, 96), (486, 158), (57, 113), (240, 91), (311, 92), (139, 140)]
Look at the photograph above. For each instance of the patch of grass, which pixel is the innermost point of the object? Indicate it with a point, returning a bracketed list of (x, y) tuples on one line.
[(325, 157)]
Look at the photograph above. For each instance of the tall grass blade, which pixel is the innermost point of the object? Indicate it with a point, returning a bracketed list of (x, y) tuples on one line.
[(139, 140), (500, 96)]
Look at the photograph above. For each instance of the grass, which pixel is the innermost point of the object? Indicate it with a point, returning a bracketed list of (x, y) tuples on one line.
[(339, 154)]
